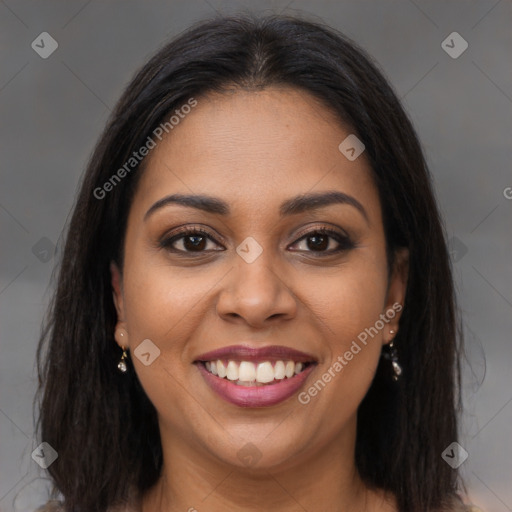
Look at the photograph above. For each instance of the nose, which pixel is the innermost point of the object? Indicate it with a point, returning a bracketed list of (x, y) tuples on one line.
[(256, 294)]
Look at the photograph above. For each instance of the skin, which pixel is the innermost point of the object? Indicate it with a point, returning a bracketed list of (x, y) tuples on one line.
[(255, 150)]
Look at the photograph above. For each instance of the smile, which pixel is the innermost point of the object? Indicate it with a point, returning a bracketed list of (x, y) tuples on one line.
[(255, 377)]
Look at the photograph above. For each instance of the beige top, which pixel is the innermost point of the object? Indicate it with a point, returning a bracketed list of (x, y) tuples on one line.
[(56, 506)]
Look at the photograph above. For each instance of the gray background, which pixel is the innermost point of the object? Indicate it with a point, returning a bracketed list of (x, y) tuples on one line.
[(52, 111)]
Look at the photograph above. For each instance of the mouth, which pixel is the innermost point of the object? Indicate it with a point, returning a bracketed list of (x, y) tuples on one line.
[(248, 373), (255, 377)]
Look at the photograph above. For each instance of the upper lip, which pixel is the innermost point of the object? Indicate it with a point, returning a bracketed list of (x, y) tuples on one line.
[(248, 353)]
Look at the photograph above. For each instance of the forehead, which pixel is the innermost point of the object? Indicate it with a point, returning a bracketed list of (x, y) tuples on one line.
[(256, 148)]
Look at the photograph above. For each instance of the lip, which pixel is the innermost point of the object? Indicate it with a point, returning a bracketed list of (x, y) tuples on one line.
[(255, 396), (260, 354)]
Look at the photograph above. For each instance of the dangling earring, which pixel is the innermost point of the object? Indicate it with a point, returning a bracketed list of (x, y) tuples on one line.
[(393, 356), (121, 366)]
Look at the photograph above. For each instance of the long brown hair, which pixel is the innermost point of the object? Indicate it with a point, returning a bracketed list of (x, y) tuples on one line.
[(101, 423)]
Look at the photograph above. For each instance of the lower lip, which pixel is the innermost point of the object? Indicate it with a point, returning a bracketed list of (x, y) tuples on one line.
[(255, 396)]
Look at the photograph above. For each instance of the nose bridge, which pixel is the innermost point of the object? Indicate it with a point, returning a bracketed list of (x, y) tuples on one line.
[(255, 291), (259, 277)]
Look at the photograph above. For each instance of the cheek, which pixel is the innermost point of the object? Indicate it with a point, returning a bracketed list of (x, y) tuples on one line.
[(349, 305), (352, 299), (163, 305), (160, 299)]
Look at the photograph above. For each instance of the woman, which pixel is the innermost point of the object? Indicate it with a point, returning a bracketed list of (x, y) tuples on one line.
[(255, 308)]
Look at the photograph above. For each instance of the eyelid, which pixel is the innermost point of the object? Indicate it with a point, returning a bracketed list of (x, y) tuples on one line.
[(330, 230)]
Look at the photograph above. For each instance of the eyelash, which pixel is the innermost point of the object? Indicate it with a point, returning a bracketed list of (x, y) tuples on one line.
[(345, 243)]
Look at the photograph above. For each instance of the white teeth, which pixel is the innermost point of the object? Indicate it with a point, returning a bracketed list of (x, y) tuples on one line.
[(221, 369), (232, 371), (247, 373), (265, 372), (279, 373)]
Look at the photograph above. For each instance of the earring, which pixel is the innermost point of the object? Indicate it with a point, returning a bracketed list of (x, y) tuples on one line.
[(121, 366), (397, 369), (393, 356)]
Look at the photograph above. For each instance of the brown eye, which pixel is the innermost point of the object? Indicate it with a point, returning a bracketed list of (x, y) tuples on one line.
[(325, 241), (318, 242), (190, 241), (194, 242)]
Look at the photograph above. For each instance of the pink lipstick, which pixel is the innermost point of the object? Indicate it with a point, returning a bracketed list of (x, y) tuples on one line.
[(255, 377)]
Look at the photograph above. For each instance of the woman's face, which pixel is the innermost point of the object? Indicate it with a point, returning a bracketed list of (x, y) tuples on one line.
[(290, 254)]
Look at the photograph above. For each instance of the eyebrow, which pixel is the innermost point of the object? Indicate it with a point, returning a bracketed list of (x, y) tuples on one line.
[(299, 204)]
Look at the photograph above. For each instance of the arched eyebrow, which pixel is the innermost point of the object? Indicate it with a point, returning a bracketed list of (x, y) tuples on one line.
[(295, 205), (200, 202), (317, 200)]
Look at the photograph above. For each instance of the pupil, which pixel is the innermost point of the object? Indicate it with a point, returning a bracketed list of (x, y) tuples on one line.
[(320, 242), (198, 242)]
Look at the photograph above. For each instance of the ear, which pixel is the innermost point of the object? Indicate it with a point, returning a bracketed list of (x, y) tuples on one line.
[(396, 293), (121, 333)]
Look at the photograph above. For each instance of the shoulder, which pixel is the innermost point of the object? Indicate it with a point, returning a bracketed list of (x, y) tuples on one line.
[(57, 506), (464, 507), (51, 506), (132, 503)]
